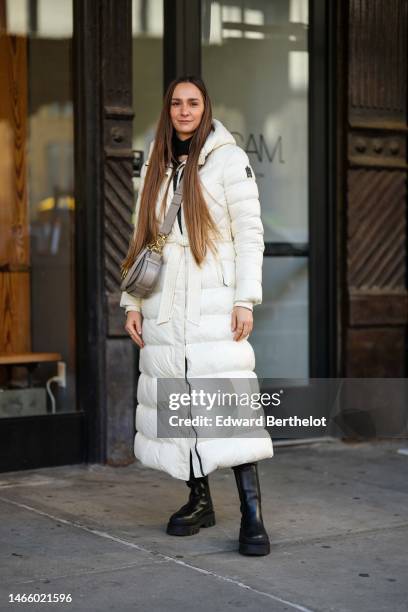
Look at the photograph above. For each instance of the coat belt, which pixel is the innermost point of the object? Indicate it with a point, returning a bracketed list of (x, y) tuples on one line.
[(176, 247), (175, 253)]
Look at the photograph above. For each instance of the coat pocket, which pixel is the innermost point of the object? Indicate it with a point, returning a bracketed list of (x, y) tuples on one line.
[(227, 271)]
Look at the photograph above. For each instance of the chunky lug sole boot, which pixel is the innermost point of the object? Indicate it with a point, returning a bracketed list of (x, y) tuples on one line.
[(197, 512), (253, 539)]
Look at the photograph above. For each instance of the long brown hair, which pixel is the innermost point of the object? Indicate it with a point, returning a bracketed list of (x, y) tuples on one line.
[(199, 222)]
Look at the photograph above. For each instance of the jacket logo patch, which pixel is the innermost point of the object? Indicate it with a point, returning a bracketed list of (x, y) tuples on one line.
[(248, 171)]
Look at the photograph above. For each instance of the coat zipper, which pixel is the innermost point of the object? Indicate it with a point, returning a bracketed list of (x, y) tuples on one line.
[(184, 345), (191, 416)]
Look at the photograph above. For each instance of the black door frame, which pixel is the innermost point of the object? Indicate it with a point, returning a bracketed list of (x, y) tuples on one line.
[(322, 190), (89, 225)]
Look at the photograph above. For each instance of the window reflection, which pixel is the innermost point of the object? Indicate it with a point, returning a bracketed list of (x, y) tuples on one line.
[(255, 63), (280, 335)]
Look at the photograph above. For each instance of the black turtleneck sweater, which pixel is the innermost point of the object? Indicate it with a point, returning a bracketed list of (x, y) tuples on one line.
[(180, 147)]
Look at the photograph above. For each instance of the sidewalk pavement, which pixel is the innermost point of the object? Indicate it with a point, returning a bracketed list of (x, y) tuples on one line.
[(336, 513)]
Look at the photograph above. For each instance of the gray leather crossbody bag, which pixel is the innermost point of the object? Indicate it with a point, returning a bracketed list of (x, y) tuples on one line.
[(141, 277)]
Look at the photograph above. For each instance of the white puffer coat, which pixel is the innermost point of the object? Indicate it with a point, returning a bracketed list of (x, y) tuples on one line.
[(187, 318)]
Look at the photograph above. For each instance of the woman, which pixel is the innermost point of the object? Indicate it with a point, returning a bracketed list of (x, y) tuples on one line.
[(197, 320)]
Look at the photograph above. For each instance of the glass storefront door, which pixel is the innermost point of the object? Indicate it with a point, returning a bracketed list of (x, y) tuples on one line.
[(255, 65)]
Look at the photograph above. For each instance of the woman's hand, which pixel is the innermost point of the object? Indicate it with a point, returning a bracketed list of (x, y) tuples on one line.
[(242, 322), (134, 327)]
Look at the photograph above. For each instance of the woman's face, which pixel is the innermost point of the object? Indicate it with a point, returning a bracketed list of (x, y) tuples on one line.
[(186, 109)]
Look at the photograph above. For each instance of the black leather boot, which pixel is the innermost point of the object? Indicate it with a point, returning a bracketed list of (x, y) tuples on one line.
[(253, 539), (197, 512)]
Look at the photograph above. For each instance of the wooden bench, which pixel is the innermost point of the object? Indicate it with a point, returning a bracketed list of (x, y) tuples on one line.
[(29, 360)]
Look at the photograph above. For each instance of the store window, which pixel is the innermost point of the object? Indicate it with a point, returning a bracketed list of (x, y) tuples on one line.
[(37, 280), (255, 64)]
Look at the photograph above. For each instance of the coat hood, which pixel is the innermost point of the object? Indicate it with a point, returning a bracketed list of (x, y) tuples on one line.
[(218, 137)]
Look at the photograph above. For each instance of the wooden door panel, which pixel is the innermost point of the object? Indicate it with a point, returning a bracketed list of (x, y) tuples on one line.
[(376, 297), (14, 221), (15, 312)]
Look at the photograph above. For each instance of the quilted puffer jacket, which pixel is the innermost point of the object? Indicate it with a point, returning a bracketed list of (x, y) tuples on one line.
[(187, 318)]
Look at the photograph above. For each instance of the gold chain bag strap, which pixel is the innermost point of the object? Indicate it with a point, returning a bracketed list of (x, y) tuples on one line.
[(141, 277)]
